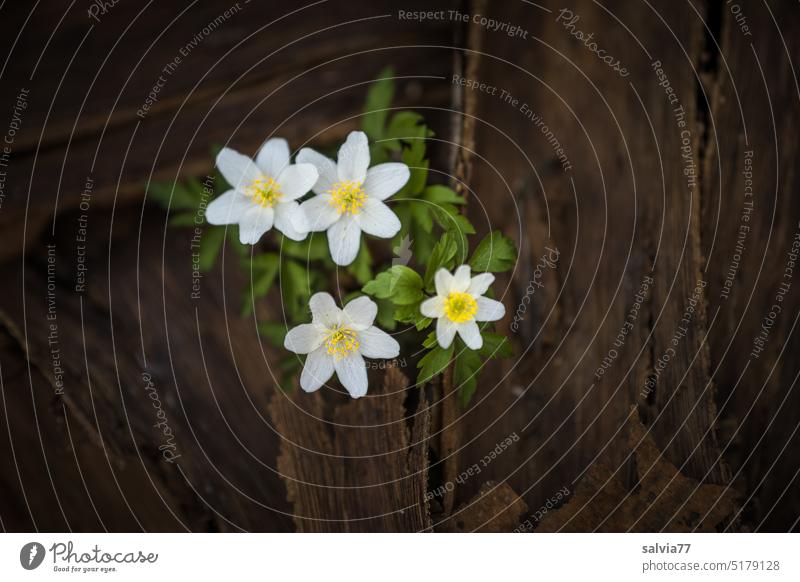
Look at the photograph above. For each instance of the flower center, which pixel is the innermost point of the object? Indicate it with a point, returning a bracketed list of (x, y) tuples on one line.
[(348, 196), (460, 307), (264, 191), (341, 341)]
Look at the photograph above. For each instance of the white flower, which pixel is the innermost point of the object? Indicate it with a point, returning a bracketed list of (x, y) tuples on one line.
[(338, 340), (459, 304), (264, 193), (350, 197)]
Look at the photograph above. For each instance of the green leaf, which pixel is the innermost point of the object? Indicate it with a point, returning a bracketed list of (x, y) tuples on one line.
[(210, 246), (495, 253), (401, 284), (361, 267), (430, 340), (385, 317), (422, 215), (379, 99), (444, 251), (465, 373), (261, 271), (296, 290), (495, 346), (313, 248), (274, 332), (182, 219), (434, 363), (442, 195)]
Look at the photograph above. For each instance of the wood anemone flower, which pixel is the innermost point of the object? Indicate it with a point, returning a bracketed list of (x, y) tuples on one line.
[(338, 340), (350, 197), (459, 304), (264, 194)]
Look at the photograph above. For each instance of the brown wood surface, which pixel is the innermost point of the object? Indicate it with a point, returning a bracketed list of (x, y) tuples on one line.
[(721, 424)]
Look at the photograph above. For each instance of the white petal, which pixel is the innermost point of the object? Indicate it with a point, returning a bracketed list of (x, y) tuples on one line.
[(344, 240), (461, 279), (291, 221), (489, 309), (228, 208), (443, 281), (254, 223), (324, 310), (471, 334), (238, 170), (480, 284), (326, 168), (360, 312), (376, 343), (445, 332), (354, 157), (384, 180), (304, 338), (318, 369), (320, 213), (352, 373), (296, 180), (433, 307), (377, 219), (273, 156)]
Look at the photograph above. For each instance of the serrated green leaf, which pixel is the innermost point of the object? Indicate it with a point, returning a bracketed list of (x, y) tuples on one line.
[(421, 213), (434, 363), (465, 373), (437, 194), (495, 253), (379, 99), (400, 284), (442, 256), (495, 346)]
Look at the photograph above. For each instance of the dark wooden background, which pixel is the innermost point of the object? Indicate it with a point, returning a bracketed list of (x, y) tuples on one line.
[(713, 446)]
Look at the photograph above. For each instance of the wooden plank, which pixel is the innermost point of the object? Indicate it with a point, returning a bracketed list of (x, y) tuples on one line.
[(355, 465), (750, 220), (604, 207)]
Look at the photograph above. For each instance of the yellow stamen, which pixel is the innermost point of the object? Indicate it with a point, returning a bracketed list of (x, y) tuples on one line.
[(348, 196), (264, 191), (341, 341), (460, 307)]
